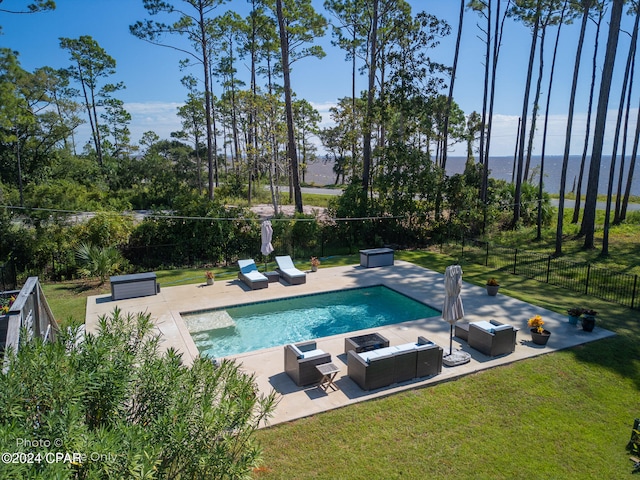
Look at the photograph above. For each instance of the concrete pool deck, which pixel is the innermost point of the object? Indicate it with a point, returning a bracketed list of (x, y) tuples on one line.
[(414, 281)]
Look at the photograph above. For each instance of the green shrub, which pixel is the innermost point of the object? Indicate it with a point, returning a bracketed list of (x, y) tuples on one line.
[(98, 261), (121, 409)]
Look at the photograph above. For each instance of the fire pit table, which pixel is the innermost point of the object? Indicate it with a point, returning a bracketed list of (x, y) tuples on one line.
[(365, 343)]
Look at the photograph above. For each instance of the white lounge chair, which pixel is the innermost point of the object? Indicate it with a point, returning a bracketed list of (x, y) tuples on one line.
[(289, 272), (250, 275)]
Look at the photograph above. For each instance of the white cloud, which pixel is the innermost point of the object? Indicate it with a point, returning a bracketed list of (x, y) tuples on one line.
[(160, 117)]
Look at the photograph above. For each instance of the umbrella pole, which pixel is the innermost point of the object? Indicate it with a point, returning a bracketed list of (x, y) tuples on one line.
[(450, 339)]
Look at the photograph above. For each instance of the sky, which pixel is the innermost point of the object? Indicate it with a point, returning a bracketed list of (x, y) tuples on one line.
[(154, 92)]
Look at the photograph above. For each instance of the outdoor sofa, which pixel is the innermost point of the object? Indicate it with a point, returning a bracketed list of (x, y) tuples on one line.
[(300, 362), (492, 338), (250, 275), (384, 366), (289, 272)]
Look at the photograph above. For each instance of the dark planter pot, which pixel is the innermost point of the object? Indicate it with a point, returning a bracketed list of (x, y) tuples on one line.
[(540, 338), (588, 322), (573, 320), (492, 290)]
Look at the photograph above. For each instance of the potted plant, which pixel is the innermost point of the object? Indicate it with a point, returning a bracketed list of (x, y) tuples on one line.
[(5, 304), (209, 276), (539, 335), (315, 263), (492, 287), (588, 320), (575, 314)]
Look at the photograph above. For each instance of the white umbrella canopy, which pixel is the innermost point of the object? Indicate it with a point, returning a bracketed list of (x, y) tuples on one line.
[(452, 309), (267, 234)]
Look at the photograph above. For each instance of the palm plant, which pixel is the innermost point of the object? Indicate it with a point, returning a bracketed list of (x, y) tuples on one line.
[(98, 261)]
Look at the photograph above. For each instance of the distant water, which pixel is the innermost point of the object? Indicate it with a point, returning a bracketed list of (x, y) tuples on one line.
[(501, 168)]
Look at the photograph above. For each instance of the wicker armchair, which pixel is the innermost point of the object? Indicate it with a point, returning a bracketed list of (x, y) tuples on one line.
[(300, 362), (492, 338)]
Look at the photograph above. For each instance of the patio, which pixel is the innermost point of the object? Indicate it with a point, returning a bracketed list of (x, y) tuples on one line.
[(416, 282)]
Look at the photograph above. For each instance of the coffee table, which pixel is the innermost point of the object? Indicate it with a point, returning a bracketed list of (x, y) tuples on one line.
[(365, 343), (329, 372)]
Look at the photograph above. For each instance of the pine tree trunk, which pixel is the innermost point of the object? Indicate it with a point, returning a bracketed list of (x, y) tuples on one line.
[(567, 144), (589, 218), (291, 141)]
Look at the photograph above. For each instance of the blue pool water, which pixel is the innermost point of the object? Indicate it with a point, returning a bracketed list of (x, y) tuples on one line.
[(244, 328)]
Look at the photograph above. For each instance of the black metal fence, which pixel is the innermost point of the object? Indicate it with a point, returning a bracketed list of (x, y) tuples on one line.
[(581, 277)]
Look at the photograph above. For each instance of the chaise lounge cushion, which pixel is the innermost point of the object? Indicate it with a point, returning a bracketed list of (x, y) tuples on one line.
[(289, 272), (250, 275)]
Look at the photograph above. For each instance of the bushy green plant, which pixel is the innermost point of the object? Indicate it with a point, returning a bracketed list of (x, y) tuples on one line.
[(104, 229), (98, 261), (122, 409)]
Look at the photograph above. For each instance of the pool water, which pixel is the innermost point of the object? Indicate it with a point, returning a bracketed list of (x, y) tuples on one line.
[(244, 328)]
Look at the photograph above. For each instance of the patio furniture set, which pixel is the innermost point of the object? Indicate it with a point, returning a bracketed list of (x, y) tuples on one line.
[(252, 278), (371, 362)]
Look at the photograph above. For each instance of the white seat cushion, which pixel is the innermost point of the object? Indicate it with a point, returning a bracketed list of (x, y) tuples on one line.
[(312, 353), (293, 272), (255, 276), (484, 325), (497, 328)]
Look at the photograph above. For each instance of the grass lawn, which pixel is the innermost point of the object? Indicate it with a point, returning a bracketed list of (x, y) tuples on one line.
[(567, 414)]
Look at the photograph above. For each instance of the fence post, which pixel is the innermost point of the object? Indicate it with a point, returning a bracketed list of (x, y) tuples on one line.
[(515, 261), (548, 267), (486, 257), (586, 286), (633, 293)]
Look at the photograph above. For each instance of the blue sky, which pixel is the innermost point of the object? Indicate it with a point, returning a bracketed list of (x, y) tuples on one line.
[(152, 77)]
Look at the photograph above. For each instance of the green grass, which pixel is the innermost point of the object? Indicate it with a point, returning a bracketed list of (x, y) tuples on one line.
[(567, 414), (563, 415), (68, 300), (624, 247)]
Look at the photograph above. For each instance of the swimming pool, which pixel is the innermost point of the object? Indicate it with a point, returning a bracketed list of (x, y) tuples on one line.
[(244, 328)]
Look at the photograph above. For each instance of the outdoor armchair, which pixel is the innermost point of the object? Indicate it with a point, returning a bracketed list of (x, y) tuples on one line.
[(300, 362), (492, 338)]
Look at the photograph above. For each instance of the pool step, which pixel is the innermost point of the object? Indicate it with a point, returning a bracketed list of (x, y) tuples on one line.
[(201, 322)]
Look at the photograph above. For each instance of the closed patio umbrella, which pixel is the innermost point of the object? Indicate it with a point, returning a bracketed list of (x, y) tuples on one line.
[(452, 309), (267, 234)]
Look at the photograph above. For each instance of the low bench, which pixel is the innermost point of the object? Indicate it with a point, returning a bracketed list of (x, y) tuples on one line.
[(376, 257), (133, 285)]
